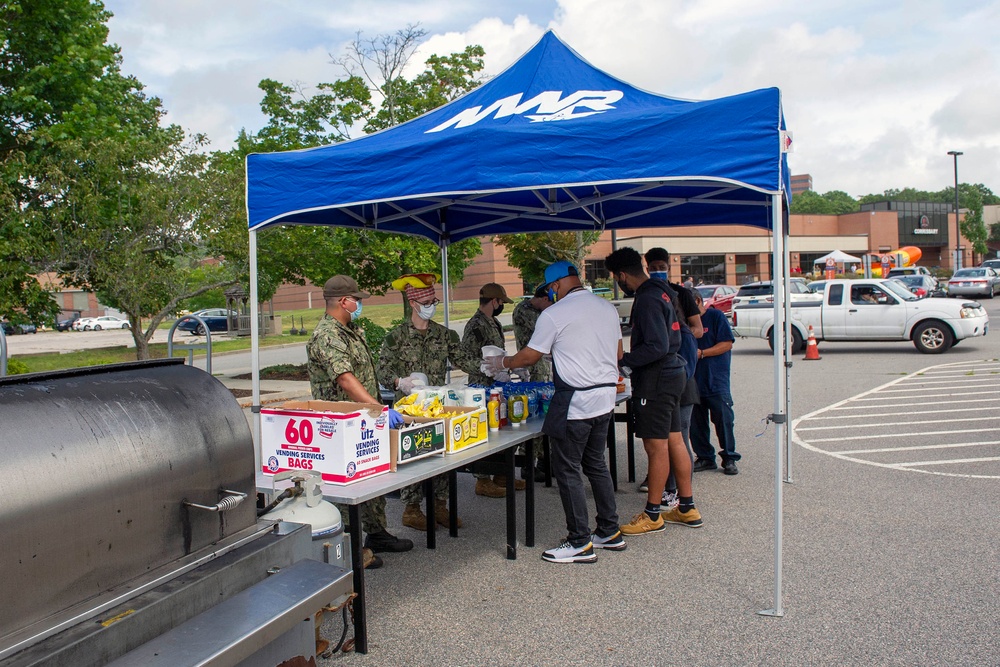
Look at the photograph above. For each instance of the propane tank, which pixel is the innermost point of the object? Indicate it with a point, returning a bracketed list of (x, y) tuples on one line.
[(307, 506)]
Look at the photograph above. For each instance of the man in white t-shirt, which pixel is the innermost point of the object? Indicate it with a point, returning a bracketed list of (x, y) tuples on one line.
[(581, 332)]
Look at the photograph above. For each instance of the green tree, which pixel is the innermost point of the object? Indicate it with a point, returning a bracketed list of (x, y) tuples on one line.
[(835, 202), (531, 253), (94, 188), (299, 117), (54, 65)]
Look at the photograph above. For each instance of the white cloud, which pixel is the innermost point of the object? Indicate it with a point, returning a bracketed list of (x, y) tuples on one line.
[(876, 93)]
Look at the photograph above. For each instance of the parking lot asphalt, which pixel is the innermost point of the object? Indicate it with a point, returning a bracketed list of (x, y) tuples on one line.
[(890, 557), (881, 565)]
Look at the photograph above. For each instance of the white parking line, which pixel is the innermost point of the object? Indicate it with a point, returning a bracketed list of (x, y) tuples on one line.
[(941, 463), (895, 413), (933, 390), (909, 423), (962, 379), (910, 404), (955, 364), (878, 436), (966, 393), (866, 401), (916, 447)]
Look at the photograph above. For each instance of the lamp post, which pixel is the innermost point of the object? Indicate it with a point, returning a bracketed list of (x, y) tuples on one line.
[(958, 230)]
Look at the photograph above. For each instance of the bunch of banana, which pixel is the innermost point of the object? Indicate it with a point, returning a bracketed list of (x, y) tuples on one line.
[(429, 407)]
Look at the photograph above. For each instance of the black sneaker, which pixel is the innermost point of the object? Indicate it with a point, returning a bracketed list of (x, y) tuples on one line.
[(644, 487), (704, 464), (729, 468), (385, 541)]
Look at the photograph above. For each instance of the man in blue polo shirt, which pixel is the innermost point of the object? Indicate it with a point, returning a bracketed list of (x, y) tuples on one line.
[(712, 373)]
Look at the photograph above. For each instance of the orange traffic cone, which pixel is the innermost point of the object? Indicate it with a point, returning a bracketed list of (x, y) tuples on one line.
[(812, 349)]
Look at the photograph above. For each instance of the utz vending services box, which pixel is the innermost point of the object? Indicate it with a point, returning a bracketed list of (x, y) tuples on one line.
[(416, 441), (464, 427), (344, 442)]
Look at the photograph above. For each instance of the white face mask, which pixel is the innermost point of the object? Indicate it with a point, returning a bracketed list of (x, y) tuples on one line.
[(426, 311)]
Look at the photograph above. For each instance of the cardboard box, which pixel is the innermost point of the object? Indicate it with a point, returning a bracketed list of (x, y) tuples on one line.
[(464, 427), (415, 440), (344, 442)]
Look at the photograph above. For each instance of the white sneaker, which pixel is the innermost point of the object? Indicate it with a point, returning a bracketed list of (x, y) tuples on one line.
[(669, 501), (567, 553), (613, 543)]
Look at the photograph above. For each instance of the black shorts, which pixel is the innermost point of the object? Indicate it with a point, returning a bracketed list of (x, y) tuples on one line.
[(657, 417)]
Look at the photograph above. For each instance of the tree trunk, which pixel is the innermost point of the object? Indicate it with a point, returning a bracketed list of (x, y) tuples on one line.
[(141, 343), (579, 255)]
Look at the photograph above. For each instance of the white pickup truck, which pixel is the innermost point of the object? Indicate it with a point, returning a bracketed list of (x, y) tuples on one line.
[(870, 310)]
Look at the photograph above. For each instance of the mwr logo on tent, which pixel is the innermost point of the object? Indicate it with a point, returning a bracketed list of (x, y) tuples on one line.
[(549, 105)]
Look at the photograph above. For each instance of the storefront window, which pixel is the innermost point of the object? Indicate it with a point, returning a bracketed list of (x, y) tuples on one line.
[(704, 269)]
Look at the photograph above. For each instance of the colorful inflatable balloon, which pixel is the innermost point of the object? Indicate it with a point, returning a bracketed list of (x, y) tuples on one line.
[(911, 255)]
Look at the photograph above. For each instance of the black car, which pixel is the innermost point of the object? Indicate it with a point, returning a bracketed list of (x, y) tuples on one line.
[(66, 323), (216, 318), (13, 329)]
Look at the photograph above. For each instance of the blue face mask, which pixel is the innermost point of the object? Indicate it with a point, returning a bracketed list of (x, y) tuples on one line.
[(357, 311), (553, 297), (662, 275)]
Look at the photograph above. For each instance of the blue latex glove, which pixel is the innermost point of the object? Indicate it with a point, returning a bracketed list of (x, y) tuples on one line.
[(395, 419)]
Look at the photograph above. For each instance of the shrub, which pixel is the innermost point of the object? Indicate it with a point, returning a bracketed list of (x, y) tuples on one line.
[(16, 367)]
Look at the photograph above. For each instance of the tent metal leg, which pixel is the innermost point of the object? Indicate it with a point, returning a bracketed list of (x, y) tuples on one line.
[(780, 416)]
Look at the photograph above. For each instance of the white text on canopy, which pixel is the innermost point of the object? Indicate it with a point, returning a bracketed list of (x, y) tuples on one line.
[(549, 105)]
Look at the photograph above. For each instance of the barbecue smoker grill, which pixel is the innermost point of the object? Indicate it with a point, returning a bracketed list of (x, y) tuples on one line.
[(130, 527)]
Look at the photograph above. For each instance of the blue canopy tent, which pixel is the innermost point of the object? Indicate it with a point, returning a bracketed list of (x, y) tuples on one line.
[(550, 144)]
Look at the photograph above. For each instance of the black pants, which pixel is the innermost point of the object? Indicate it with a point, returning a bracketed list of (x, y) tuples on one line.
[(580, 449)]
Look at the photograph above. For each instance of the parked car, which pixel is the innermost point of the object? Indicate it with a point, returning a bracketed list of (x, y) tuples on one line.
[(106, 322), (14, 329), (991, 264), (216, 318), (974, 282), (66, 323), (870, 310), (763, 292), (817, 286), (718, 296), (897, 271), (81, 323), (922, 286)]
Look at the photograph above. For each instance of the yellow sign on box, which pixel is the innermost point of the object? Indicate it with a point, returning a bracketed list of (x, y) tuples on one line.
[(464, 427)]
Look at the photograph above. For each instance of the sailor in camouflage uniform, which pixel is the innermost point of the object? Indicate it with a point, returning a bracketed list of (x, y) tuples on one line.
[(341, 369), (525, 315), (482, 329), (421, 345)]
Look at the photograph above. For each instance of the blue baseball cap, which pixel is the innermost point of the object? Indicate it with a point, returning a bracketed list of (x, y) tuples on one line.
[(557, 270)]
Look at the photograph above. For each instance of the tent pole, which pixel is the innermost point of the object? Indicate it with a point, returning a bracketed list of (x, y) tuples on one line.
[(255, 348), (445, 293), (614, 246), (778, 272), (787, 348)]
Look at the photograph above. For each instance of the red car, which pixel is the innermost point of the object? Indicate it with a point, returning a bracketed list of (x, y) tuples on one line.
[(718, 296)]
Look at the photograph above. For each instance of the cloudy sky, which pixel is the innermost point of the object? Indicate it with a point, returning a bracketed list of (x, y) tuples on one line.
[(875, 93)]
